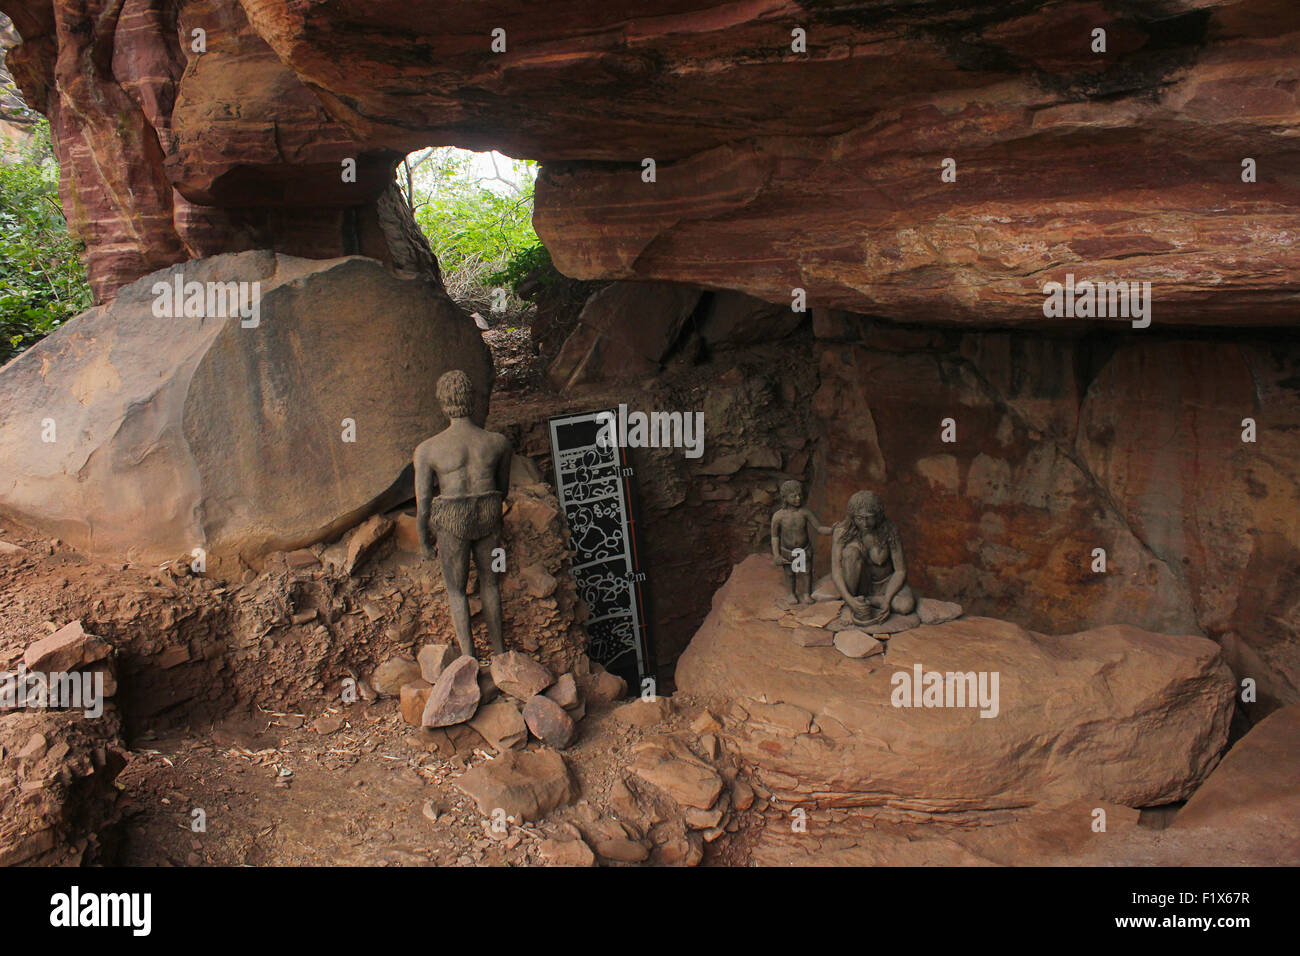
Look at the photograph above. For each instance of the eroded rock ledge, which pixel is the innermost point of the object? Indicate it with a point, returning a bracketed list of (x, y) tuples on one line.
[(777, 169), (1114, 714)]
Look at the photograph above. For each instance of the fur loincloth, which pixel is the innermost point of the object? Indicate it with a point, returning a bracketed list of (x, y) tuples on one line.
[(468, 517)]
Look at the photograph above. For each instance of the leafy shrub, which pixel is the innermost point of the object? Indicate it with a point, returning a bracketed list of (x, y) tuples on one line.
[(42, 279)]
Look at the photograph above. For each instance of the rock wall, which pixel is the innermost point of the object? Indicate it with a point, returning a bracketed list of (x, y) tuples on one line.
[(170, 153), (1122, 164), (1066, 444)]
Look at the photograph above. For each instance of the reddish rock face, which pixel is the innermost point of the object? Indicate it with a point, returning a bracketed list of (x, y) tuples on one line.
[(1065, 445), (778, 168)]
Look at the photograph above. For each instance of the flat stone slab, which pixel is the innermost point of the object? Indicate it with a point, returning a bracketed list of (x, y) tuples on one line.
[(974, 714)]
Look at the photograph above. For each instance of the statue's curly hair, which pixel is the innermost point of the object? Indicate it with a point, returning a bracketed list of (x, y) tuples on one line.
[(455, 394)]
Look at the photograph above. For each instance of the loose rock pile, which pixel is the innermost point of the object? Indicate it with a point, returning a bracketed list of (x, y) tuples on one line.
[(58, 805), (828, 622)]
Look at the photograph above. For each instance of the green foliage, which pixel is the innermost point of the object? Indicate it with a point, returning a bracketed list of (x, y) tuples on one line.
[(534, 261), (477, 222), (42, 280)]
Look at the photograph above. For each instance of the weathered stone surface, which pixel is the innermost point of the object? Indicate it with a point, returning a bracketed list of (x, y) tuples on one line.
[(364, 539), (1143, 458), (501, 725), (1124, 165), (1114, 713), (673, 769), (455, 696), (68, 649), (200, 411), (812, 637), (931, 611), (527, 785), (644, 713), (564, 692), (389, 677), (434, 659), (519, 675), (414, 696), (625, 329), (1257, 786), (548, 722), (572, 852), (732, 319), (602, 687)]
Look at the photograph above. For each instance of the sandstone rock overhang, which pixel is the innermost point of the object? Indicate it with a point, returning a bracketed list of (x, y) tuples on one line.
[(777, 169), (1113, 714), (136, 436)]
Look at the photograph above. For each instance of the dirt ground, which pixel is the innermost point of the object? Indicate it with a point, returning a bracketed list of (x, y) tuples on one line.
[(275, 791)]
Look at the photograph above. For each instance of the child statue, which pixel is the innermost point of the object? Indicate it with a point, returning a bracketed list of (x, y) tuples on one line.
[(793, 528)]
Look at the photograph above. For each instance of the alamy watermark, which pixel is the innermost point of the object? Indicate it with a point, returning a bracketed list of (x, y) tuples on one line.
[(208, 300), (636, 429), (1098, 300), (23, 689), (922, 688)]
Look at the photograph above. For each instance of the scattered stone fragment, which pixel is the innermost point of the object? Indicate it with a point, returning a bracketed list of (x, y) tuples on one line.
[(787, 717), (454, 697), (688, 782), (327, 725), (895, 624), (564, 692), (572, 852), (812, 637), (549, 722), (706, 723), (644, 713), (698, 819), (519, 675), (434, 659), (602, 687), (819, 614), (7, 547), (34, 748), (537, 581), (68, 649), (931, 611), (406, 535), (487, 689), (857, 644), (364, 540), (414, 697), (501, 725), (527, 785), (742, 795), (710, 746), (388, 677), (301, 559), (622, 850)]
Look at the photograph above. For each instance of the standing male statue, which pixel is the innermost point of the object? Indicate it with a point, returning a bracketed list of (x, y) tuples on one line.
[(470, 469)]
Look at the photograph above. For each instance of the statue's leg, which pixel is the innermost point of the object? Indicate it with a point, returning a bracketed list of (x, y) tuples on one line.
[(453, 552), (904, 601), (489, 588), (851, 563), (803, 587)]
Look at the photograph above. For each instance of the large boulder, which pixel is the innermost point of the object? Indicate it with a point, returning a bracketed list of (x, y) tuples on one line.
[(178, 433), (1114, 714)]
